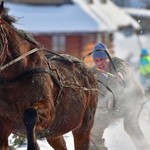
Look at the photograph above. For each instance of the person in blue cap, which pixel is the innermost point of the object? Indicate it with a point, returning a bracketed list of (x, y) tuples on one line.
[(120, 96), (100, 56)]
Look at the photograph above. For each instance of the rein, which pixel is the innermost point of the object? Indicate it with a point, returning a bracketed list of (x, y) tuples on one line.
[(108, 73), (19, 58), (114, 98)]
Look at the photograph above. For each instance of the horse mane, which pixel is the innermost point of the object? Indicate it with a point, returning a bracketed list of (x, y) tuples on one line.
[(11, 20), (28, 37)]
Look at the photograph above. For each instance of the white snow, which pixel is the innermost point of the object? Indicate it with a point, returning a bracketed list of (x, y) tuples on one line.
[(53, 19), (138, 12), (108, 12)]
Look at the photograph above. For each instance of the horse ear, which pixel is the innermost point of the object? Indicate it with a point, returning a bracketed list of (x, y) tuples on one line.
[(1, 7)]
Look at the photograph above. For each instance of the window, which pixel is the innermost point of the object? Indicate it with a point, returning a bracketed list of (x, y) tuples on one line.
[(58, 43), (99, 37), (89, 38)]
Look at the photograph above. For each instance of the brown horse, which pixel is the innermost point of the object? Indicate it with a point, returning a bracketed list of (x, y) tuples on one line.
[(39, 95)]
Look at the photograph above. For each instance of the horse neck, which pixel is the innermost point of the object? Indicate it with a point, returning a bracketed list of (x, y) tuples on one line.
[(16, 47)]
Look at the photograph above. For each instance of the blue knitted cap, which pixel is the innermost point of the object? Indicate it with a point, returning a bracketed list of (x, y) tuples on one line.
[(99, 51)]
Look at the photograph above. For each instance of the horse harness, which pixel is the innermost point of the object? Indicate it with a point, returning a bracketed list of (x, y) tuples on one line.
[(52, 72), (32, 71)]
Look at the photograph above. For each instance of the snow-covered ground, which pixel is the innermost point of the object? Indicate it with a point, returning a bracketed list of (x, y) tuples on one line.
[(115, 136)]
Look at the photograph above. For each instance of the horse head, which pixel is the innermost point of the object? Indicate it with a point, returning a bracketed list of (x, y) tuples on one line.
[(6, 35), (13, 44)]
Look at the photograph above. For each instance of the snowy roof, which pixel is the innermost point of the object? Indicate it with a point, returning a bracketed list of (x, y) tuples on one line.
[(54, 19), (111, 14), (138, 12)]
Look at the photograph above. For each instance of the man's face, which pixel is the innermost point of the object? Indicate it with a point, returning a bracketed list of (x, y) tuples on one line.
[(102, 63)]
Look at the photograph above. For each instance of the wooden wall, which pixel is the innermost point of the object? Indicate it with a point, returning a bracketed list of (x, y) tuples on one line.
[(78, 45)]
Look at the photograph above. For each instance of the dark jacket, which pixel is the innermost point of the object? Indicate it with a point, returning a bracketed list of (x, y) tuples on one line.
[(117, 99), (115, 92)]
